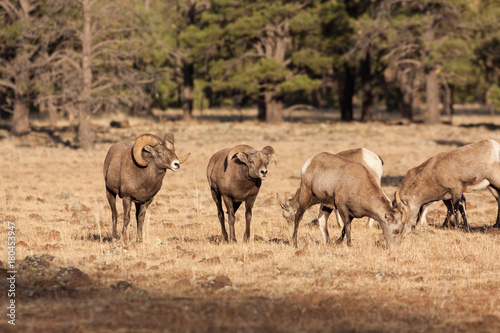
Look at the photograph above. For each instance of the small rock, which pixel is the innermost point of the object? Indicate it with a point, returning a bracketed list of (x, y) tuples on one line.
[(77, 207), (73, 277), (220, 282), (211, 261), (121, 285), (182, 284), (138, 295)]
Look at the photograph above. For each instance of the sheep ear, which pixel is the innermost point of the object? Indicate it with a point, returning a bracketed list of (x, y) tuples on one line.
[(169, 141), (150, 150), (269, 151), (242, 157)]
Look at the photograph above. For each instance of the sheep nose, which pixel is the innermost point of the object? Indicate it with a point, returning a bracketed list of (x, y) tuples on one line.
[(263, 173), (176, 165)]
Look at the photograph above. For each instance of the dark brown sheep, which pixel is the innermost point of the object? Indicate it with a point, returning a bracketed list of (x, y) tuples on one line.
[(235, 175), (135, 172)]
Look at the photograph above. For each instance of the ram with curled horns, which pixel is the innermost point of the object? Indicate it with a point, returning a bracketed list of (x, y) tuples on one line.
[(135, 172), (235, 176)]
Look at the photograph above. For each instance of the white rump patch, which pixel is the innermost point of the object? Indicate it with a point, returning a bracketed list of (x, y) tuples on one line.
[(496, 147), (306, 165), (373, 161)]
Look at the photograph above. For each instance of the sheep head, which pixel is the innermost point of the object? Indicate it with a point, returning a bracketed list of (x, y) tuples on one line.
[(151, 149), (393, 228), (288, 207), (256, 161)]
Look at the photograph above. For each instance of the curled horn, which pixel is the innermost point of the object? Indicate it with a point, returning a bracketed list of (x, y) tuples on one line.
[(404, 209), (237, 149), (140, 143), (269, 151), (184, 158), (234, 151), (282, 204)]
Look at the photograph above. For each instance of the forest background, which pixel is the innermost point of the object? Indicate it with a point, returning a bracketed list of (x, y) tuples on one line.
[(74, 59)]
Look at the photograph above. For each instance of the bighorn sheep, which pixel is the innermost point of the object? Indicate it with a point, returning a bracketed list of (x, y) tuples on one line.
[(349, 187), (446, 176), (235, 175), (450, 216), (369, 159), (135, 172)]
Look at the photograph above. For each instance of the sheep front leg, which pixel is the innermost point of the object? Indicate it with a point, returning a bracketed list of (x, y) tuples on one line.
[(230, 206), (220, 213), (140, 214), (248, 217), (111, 196), (126, 215), (324, 213), (298, 215)]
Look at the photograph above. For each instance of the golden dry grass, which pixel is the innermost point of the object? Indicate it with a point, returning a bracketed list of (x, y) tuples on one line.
[(437, 280)]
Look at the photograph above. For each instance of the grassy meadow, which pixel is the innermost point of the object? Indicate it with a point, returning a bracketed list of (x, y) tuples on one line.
[(182, 278)]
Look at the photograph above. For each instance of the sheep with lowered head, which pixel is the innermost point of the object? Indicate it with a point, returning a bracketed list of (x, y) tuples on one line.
[(235, 176), (135, 172), (447, 176), (351, 188)]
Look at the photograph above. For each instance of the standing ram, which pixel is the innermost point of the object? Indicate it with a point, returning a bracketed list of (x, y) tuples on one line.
[(235, 176), (447, 175), (369, 159), (135, 172), (351, 188)]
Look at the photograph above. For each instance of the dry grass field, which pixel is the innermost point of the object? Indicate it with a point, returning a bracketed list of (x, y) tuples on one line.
[(181, 278)]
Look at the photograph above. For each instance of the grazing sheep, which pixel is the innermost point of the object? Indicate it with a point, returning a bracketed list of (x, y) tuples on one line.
[(366, 157), (135, 172), (235, 175), (446, 176), (422, 215), (349, 187)]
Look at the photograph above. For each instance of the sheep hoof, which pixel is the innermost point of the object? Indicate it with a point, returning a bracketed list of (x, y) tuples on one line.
[(339, 241)]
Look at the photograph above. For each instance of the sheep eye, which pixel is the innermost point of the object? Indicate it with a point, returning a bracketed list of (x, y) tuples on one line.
[(252, 162)]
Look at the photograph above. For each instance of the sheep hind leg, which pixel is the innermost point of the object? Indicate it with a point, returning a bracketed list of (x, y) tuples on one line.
[(495, 191), (448, 220), (461, 209), (111, 196), (220, 213), (346, 230)]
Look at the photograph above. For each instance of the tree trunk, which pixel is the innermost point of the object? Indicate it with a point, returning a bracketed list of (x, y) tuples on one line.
[(366, 86), (20, 121), (274, 108), (448, 100), (84, 113), (188, 91), (261, 105), (345, 88), (406, 104), (432, 90)]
